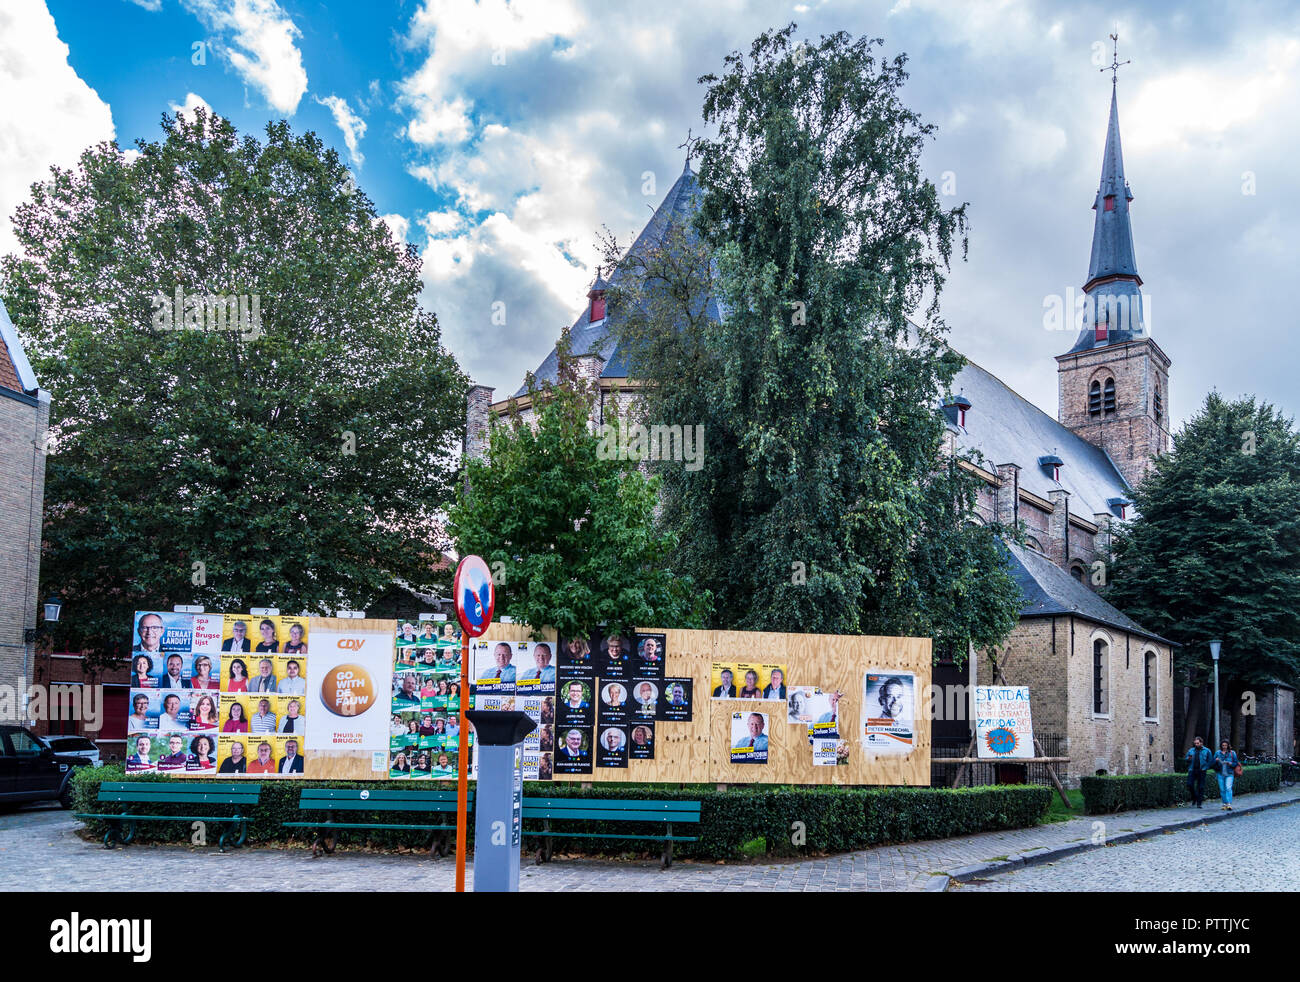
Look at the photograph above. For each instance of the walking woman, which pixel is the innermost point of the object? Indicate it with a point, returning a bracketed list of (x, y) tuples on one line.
[(1226, 767)]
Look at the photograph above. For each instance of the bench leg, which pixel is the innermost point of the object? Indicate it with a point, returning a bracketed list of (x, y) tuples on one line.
[(668, 848), (549, 846), (438, 842), (326, 841), (130, 834), (112, 833)]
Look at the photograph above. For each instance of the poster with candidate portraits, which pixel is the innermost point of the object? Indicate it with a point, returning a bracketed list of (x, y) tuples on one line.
[(201, 754), (749, 680), (159, 632), (573, 753), (144, 751), (614, 707), (676, 700), (174, 752), (641, 739), (534, 667), (203, 710), (146, 707), (232, 753), (645, 698), (574, 705), (267, 633), (722, 680), (749, 738), (175, 714), (614, 656), (888, 708), (575, 659), (801, 704), (649, 656), (611, 748), (237, 633), (493, 668), (772, 678)]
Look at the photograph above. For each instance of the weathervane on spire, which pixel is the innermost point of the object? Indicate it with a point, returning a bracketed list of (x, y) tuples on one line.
[(1115, 63), (688, 145)]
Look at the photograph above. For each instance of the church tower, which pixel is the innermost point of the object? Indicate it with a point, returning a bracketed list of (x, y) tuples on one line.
[(1113, 385)]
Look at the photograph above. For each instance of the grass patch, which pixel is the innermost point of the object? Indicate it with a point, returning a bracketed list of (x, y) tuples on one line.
[(1057, 812)]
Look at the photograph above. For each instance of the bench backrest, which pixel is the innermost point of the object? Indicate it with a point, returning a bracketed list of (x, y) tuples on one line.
[(166, 793), (612, 809), (379, 800)]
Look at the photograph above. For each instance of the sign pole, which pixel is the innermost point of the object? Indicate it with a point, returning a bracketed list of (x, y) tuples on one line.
[(462, 781), (475, 599)]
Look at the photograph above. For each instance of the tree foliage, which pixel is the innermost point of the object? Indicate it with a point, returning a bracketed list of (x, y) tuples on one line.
[(826, 501), (568, 531), (1214, 550), (229, 448)]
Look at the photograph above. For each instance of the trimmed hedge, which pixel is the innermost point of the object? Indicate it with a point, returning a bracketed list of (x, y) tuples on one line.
[(834, 819), (1115, 793)]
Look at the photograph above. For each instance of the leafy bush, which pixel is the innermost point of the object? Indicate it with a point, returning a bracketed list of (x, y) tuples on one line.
[(1113, 793), (832, 819)]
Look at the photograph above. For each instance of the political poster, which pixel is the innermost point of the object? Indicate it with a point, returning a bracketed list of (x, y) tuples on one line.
[(614, 708), (650, 656), (749, 738), (575, 703), (614, 656), (644, 699), (888, 712), (424, 712), (642, 742), (722, 680), (830, 752), (347, 692), (612, 746), (574, 753), (1003, 727), (676, 699), (574, 659), (534, 667)]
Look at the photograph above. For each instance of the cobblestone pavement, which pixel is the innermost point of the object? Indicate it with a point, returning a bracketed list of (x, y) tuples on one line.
[(39, 850), (1222, 857)]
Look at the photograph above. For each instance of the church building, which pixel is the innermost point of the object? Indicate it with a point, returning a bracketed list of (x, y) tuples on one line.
[(1100, 683)]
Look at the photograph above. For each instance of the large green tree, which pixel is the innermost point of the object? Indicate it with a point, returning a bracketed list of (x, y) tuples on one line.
[(300, 460), (826, 501), (1214, 550), (568, 528)]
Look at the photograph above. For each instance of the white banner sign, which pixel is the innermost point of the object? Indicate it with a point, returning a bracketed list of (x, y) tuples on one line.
[(1002, 724), (349, 695)]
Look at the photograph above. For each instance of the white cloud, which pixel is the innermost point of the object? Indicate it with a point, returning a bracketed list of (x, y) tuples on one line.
[(352, 126), (50, 115), (398, 225), (191, 103), (153, 6), (265, 54)]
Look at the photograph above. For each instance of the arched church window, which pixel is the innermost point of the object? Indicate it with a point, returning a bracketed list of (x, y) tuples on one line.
[(1159, 406), (1108, 396), (1094, 399)]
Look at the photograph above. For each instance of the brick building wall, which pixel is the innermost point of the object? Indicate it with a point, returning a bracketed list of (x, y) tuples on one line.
[(23, 426), (1053, 656)]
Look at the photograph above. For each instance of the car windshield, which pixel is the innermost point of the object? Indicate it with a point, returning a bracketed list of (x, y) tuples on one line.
[(70, 743)]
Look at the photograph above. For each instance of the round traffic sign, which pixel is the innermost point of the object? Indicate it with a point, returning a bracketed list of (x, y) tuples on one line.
[(475, 595)]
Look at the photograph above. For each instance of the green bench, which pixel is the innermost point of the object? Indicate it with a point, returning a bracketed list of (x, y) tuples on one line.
[(667, 813), (133, 794), (339, 804)]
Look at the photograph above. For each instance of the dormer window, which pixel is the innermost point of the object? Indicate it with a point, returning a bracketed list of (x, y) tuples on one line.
[(1051, 464), (1109, 204), (1119, 507), (596, 295), (597, 309), (955, 408)]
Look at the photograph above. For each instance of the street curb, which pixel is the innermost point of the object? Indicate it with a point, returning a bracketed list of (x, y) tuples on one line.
[(1048, 854)]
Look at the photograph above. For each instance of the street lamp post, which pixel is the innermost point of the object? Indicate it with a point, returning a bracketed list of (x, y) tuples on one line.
[(1214, 654)]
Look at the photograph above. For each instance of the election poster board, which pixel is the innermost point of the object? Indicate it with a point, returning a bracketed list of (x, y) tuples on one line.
[(1003, 727), (217, 693), (271, 682)]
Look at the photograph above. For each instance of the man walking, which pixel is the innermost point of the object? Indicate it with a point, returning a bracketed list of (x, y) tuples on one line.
[(1198, 764)]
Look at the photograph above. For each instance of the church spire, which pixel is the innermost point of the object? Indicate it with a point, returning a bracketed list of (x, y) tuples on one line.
[(1113, 313)]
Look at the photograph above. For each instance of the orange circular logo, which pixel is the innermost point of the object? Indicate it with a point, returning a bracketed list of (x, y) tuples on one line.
[(347, 690)]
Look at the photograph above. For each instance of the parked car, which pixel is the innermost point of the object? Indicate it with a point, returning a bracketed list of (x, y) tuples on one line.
[(74, 746), (32, 771)]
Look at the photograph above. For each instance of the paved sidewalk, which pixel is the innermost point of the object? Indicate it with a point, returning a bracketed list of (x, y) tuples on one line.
[(39, 850)]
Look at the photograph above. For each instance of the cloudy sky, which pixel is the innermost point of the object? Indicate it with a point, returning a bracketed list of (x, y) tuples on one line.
[(499, 137)]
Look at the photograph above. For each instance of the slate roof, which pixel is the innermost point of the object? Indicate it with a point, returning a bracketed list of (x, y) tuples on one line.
[(1009, 429), (1049, 591), (676, 210)]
